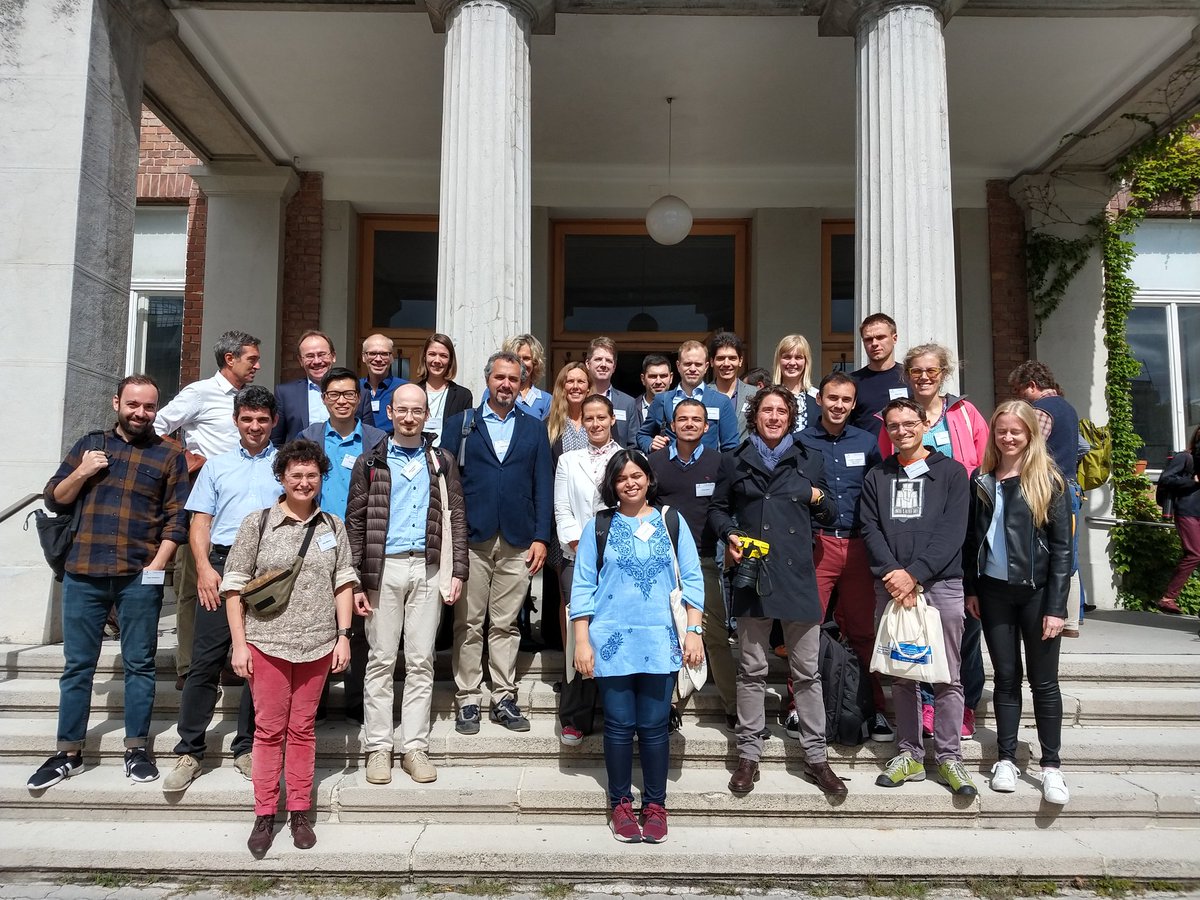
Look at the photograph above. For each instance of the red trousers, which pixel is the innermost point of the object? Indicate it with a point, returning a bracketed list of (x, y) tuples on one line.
[(842, 563), (285, 713)]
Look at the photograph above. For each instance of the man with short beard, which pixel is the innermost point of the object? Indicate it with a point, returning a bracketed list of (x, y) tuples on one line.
[(130, 488)]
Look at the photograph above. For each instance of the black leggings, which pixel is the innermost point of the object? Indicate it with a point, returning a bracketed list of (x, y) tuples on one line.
[(1012, 615)]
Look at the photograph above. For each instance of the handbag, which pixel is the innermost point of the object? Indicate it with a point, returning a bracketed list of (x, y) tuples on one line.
[(268, 594), (910, 644), (445, 564), (689, 678), (56, 533)]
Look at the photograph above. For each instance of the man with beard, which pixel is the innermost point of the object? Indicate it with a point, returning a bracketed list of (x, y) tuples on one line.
[(508, 485), (130, 488), (301, 402)]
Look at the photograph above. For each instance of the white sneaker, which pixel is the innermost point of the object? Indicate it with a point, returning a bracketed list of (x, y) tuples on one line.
[(1004, 777), (1054, 787)]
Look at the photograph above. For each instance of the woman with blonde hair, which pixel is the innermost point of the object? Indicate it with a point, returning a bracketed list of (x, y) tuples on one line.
[(564, 421), (793, 371), (530, 399), (1017, 572)]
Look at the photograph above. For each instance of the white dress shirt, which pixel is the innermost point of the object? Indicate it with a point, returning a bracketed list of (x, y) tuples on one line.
[(203, 414)]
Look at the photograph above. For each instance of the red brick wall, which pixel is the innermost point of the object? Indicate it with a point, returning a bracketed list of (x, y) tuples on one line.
[(1010, 297), (303, 229), (192, 356)]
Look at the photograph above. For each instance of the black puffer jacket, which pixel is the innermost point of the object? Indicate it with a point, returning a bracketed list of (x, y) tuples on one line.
[(1038, 558)]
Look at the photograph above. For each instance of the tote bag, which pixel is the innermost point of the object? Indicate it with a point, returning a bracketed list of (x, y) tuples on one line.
[(910, 645)]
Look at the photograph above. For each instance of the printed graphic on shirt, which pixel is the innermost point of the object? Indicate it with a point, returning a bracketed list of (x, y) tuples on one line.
[(611, 646), (908, 498), (642, 571)]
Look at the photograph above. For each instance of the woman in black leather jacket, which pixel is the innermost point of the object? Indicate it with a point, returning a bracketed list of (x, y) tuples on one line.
[(1017, 567)]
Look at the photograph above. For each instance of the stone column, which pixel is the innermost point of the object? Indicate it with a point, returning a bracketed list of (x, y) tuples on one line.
[(904, 218), (243, 257), (68, 164), (484, 229)]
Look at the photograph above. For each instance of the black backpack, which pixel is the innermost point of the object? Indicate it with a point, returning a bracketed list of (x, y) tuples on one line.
[(849, 705)]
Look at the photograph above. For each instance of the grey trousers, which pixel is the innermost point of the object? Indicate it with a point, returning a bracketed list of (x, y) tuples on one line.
[(721, 668), (803, 641)]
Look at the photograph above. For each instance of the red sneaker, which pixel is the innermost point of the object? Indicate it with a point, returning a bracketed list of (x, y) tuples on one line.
[(927, 721), (968, 728), (625, 824), (570, 737), (654, 824)]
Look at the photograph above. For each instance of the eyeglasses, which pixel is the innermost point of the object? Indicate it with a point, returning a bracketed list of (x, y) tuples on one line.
[(340, 395), (931, 372), (400, 412), (907, 427), (377, 354), (314, 357)]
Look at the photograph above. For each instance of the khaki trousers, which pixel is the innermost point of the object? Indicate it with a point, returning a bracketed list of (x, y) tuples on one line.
[(407, 603), (496, 589), (186, 597)]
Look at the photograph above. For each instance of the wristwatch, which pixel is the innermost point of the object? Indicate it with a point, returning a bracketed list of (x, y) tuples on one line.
[(343, 632), (695, 629)]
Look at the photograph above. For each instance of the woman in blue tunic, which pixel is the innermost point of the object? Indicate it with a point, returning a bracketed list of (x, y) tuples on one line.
[(625, 635)]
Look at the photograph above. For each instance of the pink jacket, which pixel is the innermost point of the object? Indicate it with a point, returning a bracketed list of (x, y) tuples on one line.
[(968, 433)]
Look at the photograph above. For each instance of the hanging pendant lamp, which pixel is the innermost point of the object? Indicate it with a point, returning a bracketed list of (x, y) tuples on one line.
[(669, 218)]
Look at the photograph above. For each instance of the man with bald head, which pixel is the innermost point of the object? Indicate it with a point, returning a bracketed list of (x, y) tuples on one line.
[(409, 565), (378, 353)]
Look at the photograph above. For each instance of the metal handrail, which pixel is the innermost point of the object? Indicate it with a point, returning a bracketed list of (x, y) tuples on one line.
[(1111, 521), (19, 505)]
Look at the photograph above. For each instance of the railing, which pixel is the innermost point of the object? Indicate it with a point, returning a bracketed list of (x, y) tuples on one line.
[(19, 505), (1110, 521)]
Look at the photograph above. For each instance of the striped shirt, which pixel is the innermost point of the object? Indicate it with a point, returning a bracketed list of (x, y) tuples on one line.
[(129, 509)]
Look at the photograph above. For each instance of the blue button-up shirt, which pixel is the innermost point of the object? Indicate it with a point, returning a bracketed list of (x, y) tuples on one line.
[(848, 457), (679, 394), (342, 452), (317, 411), (409, 510), (500, 430), (673, 453), (233, 485), (375, 403)]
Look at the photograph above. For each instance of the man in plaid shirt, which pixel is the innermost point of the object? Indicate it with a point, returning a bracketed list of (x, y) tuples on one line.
[(132, 488)]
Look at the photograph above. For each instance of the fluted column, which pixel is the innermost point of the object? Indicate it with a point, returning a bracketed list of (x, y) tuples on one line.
[(905, 226), (484, 230)]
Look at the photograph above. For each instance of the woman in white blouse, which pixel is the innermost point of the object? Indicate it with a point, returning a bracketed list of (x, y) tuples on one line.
[(576, 500)]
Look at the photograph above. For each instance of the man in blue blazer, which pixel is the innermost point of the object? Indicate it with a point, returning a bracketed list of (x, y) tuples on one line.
[(508, 484), (300, 402), (722, 433)]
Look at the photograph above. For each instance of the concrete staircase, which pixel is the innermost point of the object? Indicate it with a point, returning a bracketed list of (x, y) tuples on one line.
[(522, 807)]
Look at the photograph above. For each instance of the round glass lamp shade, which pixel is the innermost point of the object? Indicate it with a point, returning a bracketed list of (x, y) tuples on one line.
[(669, 220)]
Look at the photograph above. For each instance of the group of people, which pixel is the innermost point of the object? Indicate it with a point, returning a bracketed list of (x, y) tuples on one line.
[(316, 527)]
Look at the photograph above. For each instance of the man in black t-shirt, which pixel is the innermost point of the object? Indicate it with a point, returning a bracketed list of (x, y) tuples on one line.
[(881, 380)]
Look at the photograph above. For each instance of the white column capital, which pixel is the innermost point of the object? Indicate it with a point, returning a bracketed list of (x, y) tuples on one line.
[(843, 17), (243, 179), (538, 14)]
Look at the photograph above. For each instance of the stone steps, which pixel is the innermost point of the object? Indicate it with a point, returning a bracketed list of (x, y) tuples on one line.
[(566, 853)]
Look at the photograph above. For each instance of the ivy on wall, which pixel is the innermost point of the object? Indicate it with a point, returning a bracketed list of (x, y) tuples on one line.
[(1162, 170)]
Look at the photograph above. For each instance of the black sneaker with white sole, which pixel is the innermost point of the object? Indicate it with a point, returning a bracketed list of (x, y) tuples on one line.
[(881, 730), (61, 765), (139, 766), (468, 720), (508, 714)]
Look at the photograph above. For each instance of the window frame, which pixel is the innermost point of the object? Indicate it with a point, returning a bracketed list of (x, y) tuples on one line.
[(833, 343), (1171, 301)]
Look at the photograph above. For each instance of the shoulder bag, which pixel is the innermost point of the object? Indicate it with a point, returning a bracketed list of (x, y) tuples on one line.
[(268, 594)]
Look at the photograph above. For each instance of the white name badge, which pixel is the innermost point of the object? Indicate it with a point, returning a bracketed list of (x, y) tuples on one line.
[(705, 489), (154, 576), (374, 406), (501, 447), (942, 438), (327, 541), (897, 393), (714, 412), (348, 461), (412, 468), (920, 467), (854, 460), (620, 414), (645, 532), (433, 425)]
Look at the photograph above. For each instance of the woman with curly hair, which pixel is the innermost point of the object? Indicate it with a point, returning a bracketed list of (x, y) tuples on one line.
[(286, 655)]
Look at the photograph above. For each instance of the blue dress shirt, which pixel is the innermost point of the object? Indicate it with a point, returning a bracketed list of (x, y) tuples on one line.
[(499, 430), (342, 452), (317, 411), (375, 403), (997, 557), (409, 510), (233, 485), (673, 453), (848, 457)]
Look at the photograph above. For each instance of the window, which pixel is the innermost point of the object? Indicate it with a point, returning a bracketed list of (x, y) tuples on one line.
[(837, 296), (155, 334), (397, 285), (1164, 332)]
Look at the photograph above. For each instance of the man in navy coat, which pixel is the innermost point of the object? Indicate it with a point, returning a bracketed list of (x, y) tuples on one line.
[(508, 484), (300, 402)]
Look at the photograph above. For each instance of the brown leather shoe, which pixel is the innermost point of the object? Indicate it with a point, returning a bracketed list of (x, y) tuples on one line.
[(262, 836), (826, 780), (303, 835), (743, 779)]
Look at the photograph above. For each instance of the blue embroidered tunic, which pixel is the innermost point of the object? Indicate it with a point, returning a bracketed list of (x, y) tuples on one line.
[(629, 598)]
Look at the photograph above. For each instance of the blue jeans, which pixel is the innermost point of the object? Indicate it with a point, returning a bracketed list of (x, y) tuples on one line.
[(971, 666), (85, 604), (636, 703)]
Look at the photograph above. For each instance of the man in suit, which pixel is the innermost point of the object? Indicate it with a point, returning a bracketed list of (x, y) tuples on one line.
[(656, 378), (508, 485), (601, 361), (722, 433), (300, 402), (727, 351)]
